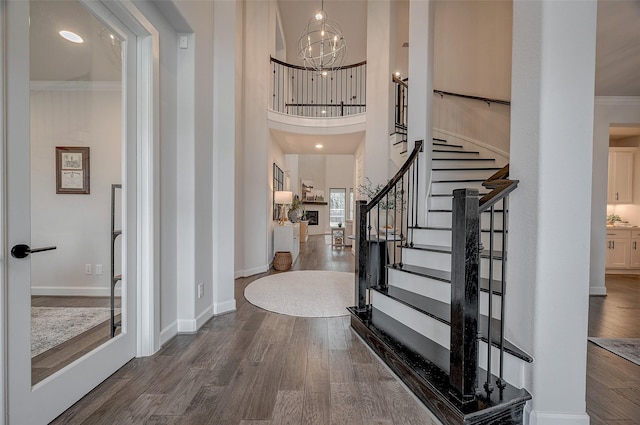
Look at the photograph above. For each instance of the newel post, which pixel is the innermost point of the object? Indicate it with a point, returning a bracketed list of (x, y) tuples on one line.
[(463, 370), (362, 253)]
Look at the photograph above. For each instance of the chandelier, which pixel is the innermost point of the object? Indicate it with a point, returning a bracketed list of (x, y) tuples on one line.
[(321, 47)]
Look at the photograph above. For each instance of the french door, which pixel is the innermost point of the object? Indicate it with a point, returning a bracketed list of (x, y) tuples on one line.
[(80, 96)]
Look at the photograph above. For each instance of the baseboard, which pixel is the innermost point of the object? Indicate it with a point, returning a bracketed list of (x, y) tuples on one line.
[(204, 317), (72, 291), (542, 418), (475, 142), (169, 332), (598, 290), (186, 325), (224, 307), (250, 272)]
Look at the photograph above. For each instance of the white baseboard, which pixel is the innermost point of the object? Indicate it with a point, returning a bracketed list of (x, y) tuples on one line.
[(72, 291), (250, 272), (186, 326), (169, 332), (204, 316), (542, 418), (224, 307), (598, 290)]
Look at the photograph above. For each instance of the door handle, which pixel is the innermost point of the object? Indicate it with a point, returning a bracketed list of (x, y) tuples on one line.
[(23, 251)]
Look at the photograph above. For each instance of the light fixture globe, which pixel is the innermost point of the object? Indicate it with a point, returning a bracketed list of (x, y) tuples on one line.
[(322, 47)]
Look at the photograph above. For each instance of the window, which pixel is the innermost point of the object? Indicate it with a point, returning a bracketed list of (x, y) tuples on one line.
[(337, 205), (352, 205), (278, 184)]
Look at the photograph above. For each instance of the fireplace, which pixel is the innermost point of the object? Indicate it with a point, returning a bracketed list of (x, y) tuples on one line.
[(312, 216)]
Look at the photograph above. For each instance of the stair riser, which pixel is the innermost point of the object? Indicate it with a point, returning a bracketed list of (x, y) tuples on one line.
[(462, 174), (444, 203), (514, 367), (443, 237), (445, 163), (443, 219), (438, 188), (437, 290), (442, 261), (452, 153)]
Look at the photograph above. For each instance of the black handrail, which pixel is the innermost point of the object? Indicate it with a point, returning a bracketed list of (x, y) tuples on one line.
[(487, 100)]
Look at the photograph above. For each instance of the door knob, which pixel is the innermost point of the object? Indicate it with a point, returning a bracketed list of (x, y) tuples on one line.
[(22, 250)]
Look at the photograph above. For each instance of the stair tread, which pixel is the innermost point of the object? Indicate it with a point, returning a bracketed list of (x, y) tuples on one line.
[(450, 195), (463, 159), (451, 211), (399, 142), (429, 382), (441, 311), (447, 144), (459, 181), (467, 169), (444, 276), (447, 250), (448, 228), (449, 151)]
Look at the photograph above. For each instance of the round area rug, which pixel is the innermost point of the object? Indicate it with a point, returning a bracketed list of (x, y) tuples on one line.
[(308, 293)]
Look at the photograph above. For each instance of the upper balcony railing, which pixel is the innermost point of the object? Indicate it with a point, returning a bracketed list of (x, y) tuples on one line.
[(305, 93)]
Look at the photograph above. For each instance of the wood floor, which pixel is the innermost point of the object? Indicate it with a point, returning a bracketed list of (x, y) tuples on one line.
[(613, 383), (253, 367), (51, 361)]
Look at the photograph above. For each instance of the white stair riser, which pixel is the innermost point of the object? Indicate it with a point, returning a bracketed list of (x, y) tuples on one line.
[(514, 367), (444, 203), (453, 163), (443, 237), (442, 261), (437, 290), (438, 188), (462, 174), (443, 219), (450, 153)]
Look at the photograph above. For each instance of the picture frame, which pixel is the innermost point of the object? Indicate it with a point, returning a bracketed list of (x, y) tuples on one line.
[(72, 170), (278, 184)]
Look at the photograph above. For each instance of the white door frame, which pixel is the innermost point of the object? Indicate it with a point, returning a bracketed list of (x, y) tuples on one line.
[(147, 147)]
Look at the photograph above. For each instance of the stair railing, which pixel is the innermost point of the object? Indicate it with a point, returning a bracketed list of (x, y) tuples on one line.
[(466, 250), (382, 225), (303, 92), (402, 103)]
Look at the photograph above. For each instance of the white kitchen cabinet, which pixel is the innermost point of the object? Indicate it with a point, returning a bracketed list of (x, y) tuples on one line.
[(620, 185), (635, 250), (623, 249), (287, 238)]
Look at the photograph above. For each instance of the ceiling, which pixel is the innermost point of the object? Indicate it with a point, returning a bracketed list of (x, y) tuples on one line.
[(304, 144), (98, 59)]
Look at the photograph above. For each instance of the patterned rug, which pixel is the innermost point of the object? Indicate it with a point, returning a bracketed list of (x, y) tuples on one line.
[(627, 348), (51, 326), (309, 293)]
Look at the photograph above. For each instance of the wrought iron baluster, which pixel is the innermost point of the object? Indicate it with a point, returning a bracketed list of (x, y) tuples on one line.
[(487, 385), (501, 383)]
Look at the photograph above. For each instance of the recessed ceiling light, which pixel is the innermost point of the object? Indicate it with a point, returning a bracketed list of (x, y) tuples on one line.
[(71, 36), (319, 146), (398, 74), (324, 112)]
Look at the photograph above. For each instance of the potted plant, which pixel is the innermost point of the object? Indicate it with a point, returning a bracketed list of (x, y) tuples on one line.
[(612, 218), (294, 211), (390, 203)]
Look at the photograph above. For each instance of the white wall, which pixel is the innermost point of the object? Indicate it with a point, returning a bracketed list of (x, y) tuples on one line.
[(79, 114), (276, 156), (608, 111)]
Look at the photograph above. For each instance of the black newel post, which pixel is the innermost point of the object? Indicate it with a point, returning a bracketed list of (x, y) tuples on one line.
[(362, 252), (463, 375)]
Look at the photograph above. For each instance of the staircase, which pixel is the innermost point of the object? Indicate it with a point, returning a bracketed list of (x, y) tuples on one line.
[(408, 322)]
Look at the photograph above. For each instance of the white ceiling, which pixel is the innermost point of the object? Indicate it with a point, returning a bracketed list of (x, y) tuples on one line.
[(304, 144)]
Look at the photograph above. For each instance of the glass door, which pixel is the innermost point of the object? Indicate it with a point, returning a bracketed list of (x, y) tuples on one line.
[(68, 146)]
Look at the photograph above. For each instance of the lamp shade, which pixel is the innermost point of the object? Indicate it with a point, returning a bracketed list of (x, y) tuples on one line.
[(283, 197)]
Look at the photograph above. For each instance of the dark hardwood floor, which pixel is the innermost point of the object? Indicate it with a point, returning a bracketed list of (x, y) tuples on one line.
[(613, 383), (253, 367), (51, 361)]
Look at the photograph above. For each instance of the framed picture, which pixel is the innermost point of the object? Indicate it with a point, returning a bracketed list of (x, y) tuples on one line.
[(72, 170), (278, 184)]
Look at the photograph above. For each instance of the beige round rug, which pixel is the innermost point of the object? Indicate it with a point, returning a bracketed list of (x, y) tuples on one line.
[(308, 293)]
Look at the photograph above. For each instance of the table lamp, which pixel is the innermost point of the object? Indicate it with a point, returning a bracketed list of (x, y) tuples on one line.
[(282, 198)]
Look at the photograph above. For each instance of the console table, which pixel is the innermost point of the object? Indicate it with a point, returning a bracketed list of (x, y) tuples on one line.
[(287, 238)]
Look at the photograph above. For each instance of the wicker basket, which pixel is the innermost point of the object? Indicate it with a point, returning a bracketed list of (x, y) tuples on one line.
[(282, 261)]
